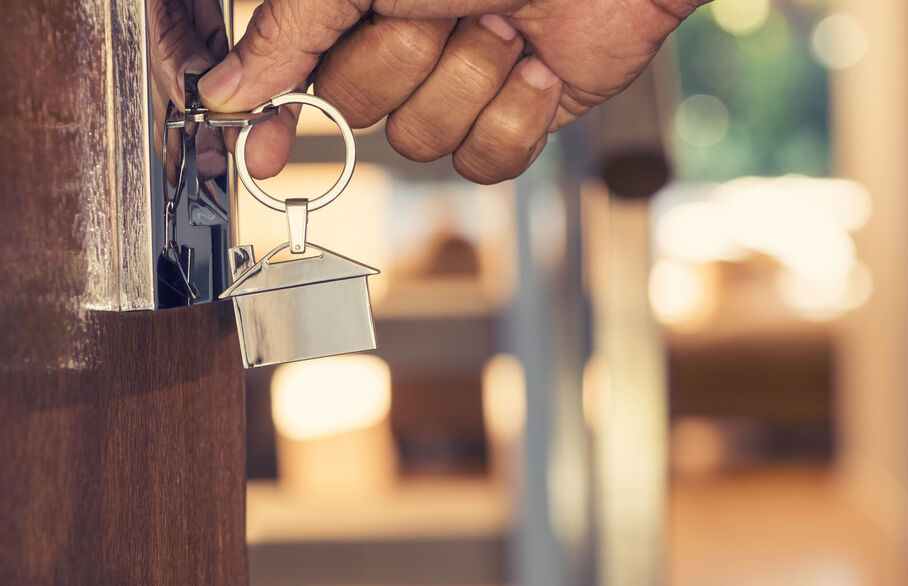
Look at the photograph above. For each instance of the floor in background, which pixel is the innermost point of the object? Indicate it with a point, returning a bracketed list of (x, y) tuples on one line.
[(442, 532), (773, 527)]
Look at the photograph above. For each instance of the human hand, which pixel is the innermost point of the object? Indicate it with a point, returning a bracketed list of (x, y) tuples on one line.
[(184, 35), (450, 87)]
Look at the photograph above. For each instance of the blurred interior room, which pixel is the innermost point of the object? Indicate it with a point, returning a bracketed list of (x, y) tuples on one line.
[(672, 352)]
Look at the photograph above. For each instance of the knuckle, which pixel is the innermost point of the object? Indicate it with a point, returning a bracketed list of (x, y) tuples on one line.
[(264, 31), (334, 83), (336, 17), (356, 108), (408, 44), (414, 140), (576, 106), (265, 21), (358, 112), (479, 170), (500, 148), (677, 9), (399, 7), (474, 74), (510, 132)]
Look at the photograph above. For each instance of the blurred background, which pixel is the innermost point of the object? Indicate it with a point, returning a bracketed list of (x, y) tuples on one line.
[(673, 352)]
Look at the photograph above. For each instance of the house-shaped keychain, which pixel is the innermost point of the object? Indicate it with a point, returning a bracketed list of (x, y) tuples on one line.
[(299, 309), (309, 307)]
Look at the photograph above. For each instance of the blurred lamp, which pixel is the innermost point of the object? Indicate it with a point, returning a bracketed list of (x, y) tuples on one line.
[(678, 293), (504, 412), (333, 426)]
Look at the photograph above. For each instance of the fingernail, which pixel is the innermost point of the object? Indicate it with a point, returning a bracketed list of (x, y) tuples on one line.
[(499, 26), (218, 85), (537, 74), (197, 64)]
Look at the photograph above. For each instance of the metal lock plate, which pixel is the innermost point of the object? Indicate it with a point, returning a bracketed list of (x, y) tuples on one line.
[(177, 220)]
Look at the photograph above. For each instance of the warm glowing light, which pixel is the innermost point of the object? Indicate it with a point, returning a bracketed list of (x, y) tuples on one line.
[(504, 397), (771, 217), (860, 287), (701, 120), (823, 300), (329, 396), (694, 232), (755, 211), (676, 291), (740, 17), (595, 390), (847, 202), (820, 250), (801, 222), (838, 41)]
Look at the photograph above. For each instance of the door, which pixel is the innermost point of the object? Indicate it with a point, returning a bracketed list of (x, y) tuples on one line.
[(121, 434)]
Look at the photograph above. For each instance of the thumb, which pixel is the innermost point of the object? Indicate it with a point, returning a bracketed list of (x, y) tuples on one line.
[(281, 47)]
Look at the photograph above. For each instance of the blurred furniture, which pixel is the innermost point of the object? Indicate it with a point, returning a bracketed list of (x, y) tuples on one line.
[(443, 531), (779, 386), (774, 525)]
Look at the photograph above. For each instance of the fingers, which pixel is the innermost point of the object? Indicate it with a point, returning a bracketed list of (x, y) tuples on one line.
[(269, 144), (378, 66), (285, 38), (281, 47), (475, 64), (174, 47), (511, 131), (445, 8), (495, 120)]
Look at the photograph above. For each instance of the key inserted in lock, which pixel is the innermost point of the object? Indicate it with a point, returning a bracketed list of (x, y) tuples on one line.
[(195, 192)]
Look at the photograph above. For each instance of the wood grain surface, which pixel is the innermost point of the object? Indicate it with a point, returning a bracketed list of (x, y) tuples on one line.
[(121, 434)]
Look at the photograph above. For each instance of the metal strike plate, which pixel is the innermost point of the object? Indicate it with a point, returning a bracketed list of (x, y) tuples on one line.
[(202, 221)]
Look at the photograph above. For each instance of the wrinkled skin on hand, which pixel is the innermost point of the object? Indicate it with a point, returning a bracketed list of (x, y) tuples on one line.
[(485, 81), (185, 35)]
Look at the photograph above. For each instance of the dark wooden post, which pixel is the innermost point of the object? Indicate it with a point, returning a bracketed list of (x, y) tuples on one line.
[(121, 434)]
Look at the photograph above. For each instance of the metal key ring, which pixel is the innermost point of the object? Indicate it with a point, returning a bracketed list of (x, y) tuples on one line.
[(315, 202)]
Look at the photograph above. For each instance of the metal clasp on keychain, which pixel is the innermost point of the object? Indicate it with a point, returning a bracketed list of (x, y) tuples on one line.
[(175, 263)]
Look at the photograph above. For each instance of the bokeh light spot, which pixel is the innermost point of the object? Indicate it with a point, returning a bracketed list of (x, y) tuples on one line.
[(740, 17), (838, 41), (701, 120), (675, 291), (328, 396)]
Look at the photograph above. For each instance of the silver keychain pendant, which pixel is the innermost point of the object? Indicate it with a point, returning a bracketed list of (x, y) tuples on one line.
[(300, 309), (308, 307)]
